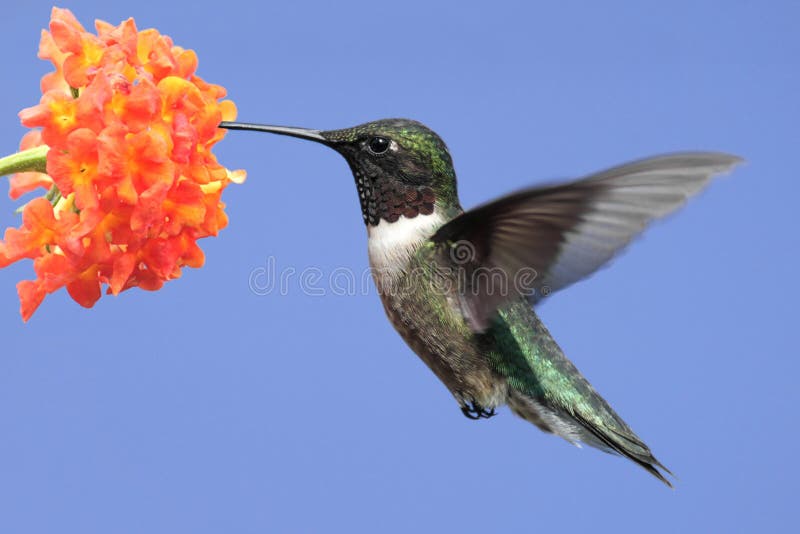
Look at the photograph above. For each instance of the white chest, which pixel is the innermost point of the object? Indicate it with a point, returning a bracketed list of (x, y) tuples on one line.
[(392, 244)]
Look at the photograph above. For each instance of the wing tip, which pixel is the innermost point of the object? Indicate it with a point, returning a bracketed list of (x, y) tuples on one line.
[(728, 162), (720, 162)]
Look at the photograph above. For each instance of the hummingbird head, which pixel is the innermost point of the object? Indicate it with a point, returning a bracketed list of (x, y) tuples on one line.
[(401, 167)]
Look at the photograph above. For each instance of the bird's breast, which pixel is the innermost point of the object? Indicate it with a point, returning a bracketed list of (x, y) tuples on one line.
[(392, 244), (427, 315)]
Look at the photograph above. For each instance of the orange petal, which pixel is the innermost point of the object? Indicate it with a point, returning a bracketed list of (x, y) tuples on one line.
[(192, 254), (31, 296), (186, 62), (161, 256), (102, 27), (4, 259), (50, 51), (74, 168), (228, 110), (25, 182), (124, 35), (148, 159), (81, 66), (85, 289), (112, 163), (38, 230), (92, 101), (31, 139), (136, 106), (145, 279), (183, 207), (54, 271), (56, 114), (155, 53), (184, 138), (66, 30), (122, 270), (148, 212), (179, 95)]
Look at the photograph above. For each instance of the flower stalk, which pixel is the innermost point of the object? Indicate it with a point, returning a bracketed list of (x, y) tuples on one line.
[(30, 160)]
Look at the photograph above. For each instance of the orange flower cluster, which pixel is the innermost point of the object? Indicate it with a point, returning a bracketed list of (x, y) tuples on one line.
[(131, 178)]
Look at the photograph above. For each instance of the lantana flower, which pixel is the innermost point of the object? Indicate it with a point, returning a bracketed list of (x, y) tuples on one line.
[(121, 148)]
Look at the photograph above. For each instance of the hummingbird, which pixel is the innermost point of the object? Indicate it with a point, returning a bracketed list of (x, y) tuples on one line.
[(460, 287)]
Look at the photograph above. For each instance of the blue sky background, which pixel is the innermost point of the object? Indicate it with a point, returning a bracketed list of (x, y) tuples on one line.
[(206, 407)]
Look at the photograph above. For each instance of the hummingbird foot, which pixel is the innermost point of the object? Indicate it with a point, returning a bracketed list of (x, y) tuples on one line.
[(475, 411)]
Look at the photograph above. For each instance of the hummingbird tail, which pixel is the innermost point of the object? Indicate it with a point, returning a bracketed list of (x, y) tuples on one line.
[(628, 445), (545, 388), (612, 435)]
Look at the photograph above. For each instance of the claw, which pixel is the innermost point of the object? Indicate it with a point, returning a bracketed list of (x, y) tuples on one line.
[(475, 411), (469, 413)]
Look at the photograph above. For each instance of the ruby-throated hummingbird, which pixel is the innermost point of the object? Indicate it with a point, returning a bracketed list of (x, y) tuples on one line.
[(459, 285)]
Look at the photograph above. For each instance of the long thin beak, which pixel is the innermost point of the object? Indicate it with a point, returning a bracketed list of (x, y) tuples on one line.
[(302, 133)]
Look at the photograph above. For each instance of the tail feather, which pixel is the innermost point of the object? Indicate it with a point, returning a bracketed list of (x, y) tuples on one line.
[(545, 388), (614, 436), (629, 446)]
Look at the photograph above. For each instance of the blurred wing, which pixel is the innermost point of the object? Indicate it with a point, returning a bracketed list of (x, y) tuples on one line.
[(539, 240)]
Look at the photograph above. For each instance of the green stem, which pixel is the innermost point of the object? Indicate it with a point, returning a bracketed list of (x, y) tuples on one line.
[(33, 159)]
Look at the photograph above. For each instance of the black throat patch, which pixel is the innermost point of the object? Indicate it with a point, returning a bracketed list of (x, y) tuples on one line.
[(389, 199)]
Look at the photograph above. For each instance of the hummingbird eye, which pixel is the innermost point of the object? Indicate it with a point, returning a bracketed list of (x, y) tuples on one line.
[(378, 145)]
